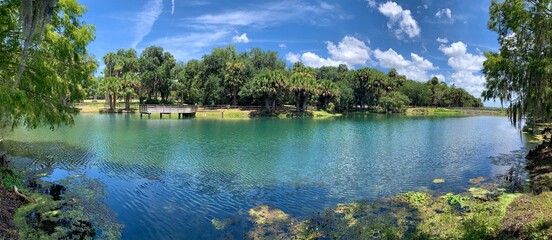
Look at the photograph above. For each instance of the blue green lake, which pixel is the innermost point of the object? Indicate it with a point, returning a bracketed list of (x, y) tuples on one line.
[(168, 178)]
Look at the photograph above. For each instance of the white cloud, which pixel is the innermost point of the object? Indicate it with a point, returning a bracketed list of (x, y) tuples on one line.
[(145, 20), (372, 3), (312, 60), (293, 58), (417, 68), (441, 77), (349, 51), (467, 67), (241, 38), (425, 6), (172, 7), (282, 45), (442, 40), (444, 13), (401, 17)]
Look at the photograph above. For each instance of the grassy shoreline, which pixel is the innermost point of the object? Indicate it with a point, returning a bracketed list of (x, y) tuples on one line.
[(90, 107)]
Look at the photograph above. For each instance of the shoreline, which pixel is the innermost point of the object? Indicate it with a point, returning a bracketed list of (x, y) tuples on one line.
[(239, 114)]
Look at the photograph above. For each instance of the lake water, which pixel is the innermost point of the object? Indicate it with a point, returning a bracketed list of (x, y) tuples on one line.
[(167, 178)]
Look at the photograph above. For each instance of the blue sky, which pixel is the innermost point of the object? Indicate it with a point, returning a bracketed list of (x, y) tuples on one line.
[(420, 38)]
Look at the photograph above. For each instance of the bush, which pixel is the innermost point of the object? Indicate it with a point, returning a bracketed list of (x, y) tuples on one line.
[(330, 108), (394, 102), (8, 178)]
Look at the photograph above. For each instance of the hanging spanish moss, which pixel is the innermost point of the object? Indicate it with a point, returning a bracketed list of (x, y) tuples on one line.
[(35, 16)]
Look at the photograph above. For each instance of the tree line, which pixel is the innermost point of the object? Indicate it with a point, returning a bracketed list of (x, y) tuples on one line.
[(257, 77)]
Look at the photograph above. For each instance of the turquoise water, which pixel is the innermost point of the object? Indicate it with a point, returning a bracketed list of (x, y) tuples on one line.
[(167, 178)]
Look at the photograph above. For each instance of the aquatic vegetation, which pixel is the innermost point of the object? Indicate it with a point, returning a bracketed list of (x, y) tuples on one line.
[(438, 180), (412, 215), (478, 180), (456, 199), (74, 210), (270, 223)]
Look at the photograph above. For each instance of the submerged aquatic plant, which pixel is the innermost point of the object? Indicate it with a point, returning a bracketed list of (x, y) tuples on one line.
[(77, 213)]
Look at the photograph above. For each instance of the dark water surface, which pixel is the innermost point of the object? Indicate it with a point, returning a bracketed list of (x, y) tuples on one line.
[(168, 178)]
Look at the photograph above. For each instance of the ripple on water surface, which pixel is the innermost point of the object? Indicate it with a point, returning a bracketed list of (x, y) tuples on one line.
[(168, 178)]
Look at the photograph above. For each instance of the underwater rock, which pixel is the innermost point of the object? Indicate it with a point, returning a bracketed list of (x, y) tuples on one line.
[(55, 191), (438, 180)]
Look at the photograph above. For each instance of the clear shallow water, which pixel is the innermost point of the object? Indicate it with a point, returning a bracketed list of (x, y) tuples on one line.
[(166, 179)]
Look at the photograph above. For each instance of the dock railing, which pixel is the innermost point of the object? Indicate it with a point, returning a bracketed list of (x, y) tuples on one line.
[(181, 110)]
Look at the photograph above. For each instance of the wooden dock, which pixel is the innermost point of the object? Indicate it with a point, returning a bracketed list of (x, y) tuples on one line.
[(181, 110)]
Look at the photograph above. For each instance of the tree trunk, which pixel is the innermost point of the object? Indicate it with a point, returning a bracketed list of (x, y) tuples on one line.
[(273, 106), (298, 102), (267, 104), (114, 102), (234, 96), (127, 101)]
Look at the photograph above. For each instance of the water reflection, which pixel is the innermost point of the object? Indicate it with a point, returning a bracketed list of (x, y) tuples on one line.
[(169, 178)]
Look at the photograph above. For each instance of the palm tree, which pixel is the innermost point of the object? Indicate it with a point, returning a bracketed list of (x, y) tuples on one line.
[(302, 85), (327, 91)]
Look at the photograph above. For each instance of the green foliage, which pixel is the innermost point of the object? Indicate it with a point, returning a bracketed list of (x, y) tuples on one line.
[(456, 199), (330, 108), (188, 85), (394, 102), (259, 78), (302, 85), (8, 178), (39, 83), (234, 77), (417, 92), (269, 86), (521, 71)]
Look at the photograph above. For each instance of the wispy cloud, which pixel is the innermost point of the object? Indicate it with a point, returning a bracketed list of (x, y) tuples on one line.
[(172, 7), (442, 40), (193, 45), (196, 3), (215, 28), (372, 3), (271, 13), (446, 12), (145, 20)]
